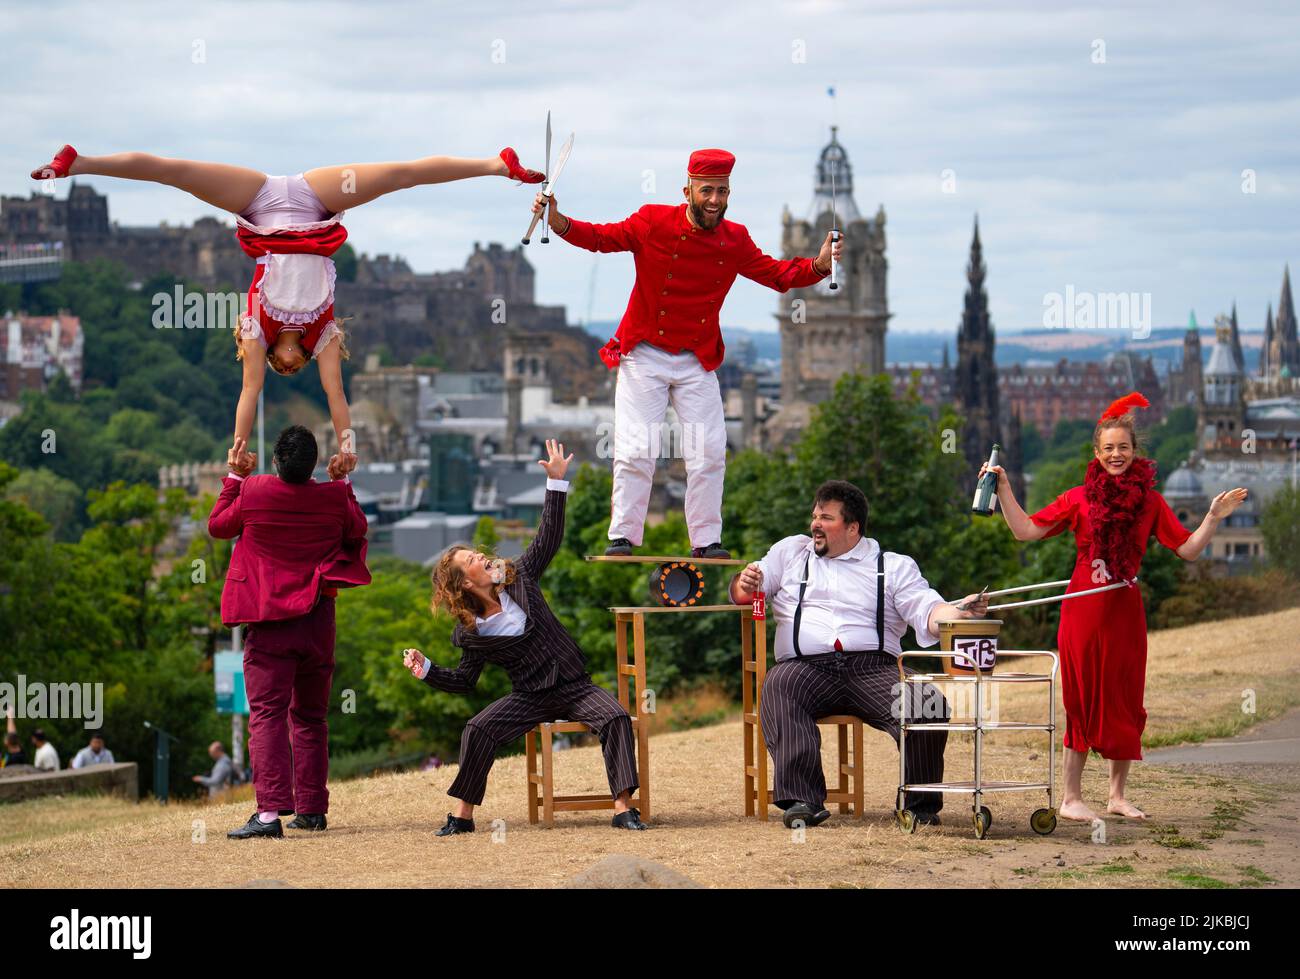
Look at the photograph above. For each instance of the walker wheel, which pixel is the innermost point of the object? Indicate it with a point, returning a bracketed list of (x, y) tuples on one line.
[(982, 820), (906, 821), (1043, 821)]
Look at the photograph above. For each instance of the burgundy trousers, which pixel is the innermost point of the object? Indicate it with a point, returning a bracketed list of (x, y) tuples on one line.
[(288, 667)]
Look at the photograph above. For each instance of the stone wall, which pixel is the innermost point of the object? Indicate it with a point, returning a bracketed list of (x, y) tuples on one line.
[(121, 779)]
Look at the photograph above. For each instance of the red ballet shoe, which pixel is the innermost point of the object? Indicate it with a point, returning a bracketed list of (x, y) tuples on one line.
[(520, 173), (58, 167)]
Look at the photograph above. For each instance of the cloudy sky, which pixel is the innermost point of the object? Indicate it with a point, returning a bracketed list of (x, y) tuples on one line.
[(1102, 144)]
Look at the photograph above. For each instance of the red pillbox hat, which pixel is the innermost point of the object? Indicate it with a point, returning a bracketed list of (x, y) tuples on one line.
[(710, 163)]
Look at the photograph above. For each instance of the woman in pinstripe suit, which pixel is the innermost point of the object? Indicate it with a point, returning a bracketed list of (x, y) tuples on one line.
[(504, 619)]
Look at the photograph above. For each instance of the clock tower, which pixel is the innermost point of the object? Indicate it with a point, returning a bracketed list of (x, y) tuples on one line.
[(826, 333)]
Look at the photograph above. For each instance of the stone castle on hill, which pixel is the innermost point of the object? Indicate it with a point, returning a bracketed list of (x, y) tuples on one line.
[(460, 317)]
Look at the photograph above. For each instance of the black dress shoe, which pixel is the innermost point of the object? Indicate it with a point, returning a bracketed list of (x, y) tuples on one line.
[(713, 550), (619, 548), (805, 813), (255, 827), (631, 819), (314, 821), (455, 825), (927, 819)]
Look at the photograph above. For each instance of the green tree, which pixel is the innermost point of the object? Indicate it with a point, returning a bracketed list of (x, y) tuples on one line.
[(1279, 524), (375, 624), (345, 260), (1171, 442), (57, 500), (486, 537)]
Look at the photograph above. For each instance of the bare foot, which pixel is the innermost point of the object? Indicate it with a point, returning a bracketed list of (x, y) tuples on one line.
[(1122, 807), (1077, 810)]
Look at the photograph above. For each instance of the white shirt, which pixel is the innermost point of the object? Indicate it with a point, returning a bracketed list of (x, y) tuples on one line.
[(46, 758), (87, 756), (840, 601), (510, 621)]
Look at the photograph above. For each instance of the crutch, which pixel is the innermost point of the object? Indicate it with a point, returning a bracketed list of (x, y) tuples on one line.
[(547, 226), (835, 233), (1129, 583)]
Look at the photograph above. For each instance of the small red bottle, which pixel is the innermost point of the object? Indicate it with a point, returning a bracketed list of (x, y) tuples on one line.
[(760, 611)]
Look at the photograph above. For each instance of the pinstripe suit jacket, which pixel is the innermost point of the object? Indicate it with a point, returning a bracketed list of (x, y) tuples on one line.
[(544, 655)]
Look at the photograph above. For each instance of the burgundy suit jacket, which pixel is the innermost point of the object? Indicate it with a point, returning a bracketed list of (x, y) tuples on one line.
[(295, 539)]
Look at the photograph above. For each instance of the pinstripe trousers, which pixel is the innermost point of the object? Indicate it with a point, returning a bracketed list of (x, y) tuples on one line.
[(515, 714), (798, 691)]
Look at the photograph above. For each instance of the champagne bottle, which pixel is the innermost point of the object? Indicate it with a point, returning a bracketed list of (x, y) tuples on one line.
[(986, 490)]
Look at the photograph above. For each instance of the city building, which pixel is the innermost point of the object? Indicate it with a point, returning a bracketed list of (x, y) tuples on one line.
[(33, 349), (1242, 441), (827, 333)]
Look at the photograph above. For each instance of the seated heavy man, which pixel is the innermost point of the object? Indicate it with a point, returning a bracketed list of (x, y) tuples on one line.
[(842, 606)]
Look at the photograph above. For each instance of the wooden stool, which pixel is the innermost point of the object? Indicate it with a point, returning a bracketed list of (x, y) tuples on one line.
[(848, 770), (629, 665), (757, 794), (541, 785)]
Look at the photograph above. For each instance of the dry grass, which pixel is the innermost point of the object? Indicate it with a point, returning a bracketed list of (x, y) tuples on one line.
[(1205, 831)]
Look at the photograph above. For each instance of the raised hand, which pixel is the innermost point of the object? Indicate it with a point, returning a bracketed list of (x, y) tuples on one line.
[(240, 461), (1003, 482), (539, 203), (557, 463), (413, 660), (1227, 501), (829, 251), (340, 464)]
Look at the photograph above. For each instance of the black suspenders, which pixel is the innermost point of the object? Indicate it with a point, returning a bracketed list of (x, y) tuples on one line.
[(798, 609), (880, 603)]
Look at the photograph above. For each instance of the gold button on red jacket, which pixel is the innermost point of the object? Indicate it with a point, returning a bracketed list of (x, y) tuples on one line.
[(702, 266)]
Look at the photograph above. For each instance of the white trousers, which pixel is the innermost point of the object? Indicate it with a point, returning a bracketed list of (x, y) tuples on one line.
[(649, 379)]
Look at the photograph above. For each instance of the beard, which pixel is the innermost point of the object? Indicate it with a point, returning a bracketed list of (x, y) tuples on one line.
[(703, 219), (820, 549)]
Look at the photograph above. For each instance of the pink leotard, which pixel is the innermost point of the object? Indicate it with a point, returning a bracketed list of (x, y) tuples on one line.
[(283, 201)]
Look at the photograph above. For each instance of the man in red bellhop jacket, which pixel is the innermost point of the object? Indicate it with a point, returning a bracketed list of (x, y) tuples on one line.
[(669, 343), (299, 541)]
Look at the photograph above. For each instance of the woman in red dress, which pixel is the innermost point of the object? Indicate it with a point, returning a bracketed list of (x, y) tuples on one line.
[(1103, 637)]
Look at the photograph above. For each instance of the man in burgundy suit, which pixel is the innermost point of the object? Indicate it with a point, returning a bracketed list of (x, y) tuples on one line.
[(299, 541)]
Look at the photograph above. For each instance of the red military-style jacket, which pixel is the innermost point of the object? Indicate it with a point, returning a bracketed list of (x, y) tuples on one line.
[(683, 274)]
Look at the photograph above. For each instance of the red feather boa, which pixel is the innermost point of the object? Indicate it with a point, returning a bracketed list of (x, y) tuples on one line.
[(1114, 505)]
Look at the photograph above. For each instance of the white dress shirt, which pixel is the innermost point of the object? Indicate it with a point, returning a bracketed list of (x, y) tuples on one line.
[(840, 601), (46, 758), (510, 621)]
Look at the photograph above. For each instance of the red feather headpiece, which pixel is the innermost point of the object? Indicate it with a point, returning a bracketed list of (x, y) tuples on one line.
[(1117, 408)]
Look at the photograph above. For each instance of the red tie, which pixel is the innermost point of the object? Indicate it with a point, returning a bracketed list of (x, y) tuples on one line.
[(838, 647)]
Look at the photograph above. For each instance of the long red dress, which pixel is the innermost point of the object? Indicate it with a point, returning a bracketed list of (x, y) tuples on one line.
[(1103, 638)]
